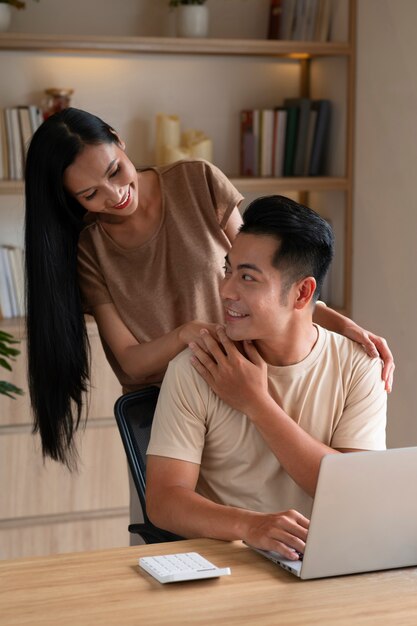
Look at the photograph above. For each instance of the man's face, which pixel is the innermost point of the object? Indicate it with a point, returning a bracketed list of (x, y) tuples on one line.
[(254, 306)]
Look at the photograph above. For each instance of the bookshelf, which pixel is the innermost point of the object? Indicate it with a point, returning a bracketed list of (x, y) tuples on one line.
[(238, 74), (314, 62)]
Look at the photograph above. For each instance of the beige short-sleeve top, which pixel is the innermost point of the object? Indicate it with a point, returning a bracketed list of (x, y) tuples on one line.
[(173, 277)]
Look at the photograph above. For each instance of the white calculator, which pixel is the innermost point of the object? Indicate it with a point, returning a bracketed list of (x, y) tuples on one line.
[(171, 568)]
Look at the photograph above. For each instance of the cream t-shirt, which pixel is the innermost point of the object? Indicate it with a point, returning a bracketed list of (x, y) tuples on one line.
[(172, 278), (335, 394)]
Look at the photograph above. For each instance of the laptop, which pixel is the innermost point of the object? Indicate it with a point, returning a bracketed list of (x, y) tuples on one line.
[(364, 515)]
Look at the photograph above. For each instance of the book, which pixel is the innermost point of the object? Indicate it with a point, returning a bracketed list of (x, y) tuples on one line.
[(9, 306), (310, 19), (25, 129), (256, 140), (324, 14), (247, 144), (15, 255), (303, 105), (312, 120), (5, 302), (274, 22), (14, 143), (266, 140), (287, 19), (320, 140), (278, 144), (298, 26), (36, 117), (290, 140), (11, 161), (250, 142), (4, 151)]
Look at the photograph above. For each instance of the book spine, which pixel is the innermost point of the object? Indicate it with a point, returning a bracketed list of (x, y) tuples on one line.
[(290, 140), (247, 144), (318, 152), (8, 302), (10, 144), (17, 143), (275, 14), (280, 131), (25, 129), (267, 116)]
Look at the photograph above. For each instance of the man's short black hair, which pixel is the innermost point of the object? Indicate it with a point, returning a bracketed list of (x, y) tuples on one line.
[(305, 239)]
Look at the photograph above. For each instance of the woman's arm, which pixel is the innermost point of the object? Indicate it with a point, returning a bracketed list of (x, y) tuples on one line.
[(372, 344), (144, 362)]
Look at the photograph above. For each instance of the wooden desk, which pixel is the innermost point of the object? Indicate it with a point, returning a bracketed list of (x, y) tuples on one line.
[(107, 588)]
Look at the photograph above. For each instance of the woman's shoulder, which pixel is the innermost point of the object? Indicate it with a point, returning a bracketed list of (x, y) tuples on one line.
[(186, 167), (88, 233)]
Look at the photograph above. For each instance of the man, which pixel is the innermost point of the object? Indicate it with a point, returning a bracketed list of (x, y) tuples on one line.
[(243, 423)]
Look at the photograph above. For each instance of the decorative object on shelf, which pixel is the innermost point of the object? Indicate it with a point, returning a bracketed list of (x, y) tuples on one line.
[(5, 16), (168, 135), (8, 354), (192, 18), (6, 12), (56, 100), (172, 145)]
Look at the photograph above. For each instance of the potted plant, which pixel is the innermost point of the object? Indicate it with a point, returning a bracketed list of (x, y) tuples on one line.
[(7, 354), (192, 17), (6, 12)]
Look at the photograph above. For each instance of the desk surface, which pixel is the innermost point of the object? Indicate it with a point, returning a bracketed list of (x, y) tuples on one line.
[(107, 588)]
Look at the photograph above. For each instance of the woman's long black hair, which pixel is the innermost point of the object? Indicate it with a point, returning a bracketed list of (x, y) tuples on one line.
[(58, 348)]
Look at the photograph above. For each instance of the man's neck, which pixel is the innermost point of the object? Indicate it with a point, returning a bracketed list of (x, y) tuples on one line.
[(292, 347)]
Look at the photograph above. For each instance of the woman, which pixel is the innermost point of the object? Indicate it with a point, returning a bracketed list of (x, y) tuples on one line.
[(141, 251)]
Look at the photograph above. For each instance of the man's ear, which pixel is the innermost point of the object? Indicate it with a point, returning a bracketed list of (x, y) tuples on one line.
[(305, 292), (120, 142)]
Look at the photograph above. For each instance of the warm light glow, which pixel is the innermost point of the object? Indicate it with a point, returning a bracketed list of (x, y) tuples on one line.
[(299, 55)]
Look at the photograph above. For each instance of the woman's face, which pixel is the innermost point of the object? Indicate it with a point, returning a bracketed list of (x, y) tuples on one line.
[(103, 180)]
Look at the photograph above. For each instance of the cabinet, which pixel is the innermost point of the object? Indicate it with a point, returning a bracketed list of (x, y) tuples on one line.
[(127, 80), (44, 508)]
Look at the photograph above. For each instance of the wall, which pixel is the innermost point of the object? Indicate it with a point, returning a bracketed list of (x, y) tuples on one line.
[(385, 217), (127, 90)]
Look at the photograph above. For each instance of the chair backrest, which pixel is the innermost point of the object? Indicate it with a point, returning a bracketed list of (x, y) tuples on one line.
[(134, 414)]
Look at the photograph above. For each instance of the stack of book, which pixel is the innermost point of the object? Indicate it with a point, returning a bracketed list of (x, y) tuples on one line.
[(11, 282), (286, 141), (301, 20), (17, 125)]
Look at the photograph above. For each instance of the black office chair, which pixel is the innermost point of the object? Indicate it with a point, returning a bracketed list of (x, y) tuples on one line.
[(134, 414)]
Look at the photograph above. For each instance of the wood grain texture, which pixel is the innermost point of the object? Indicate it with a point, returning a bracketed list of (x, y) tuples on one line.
[(108, 587), (39, 538), (37, 488), (45, 508)]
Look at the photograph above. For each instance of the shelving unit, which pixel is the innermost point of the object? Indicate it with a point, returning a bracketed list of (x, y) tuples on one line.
[(316, 70), (173, 45)]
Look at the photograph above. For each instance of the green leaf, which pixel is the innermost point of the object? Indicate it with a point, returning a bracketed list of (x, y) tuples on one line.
[(7, 389), (5, 364)]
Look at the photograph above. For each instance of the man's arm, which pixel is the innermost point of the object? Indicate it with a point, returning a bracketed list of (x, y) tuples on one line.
[(173, 504), (241, 381)]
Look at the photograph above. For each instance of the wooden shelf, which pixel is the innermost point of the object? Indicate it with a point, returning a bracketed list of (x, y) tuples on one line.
[(245, 185), (171, 45), (271, 185)]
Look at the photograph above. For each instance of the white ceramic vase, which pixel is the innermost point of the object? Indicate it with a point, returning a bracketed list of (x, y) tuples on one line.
[(5, 16), (192, 20)]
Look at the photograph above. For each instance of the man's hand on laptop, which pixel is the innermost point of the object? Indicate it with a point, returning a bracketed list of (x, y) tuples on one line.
[(284, 532)]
